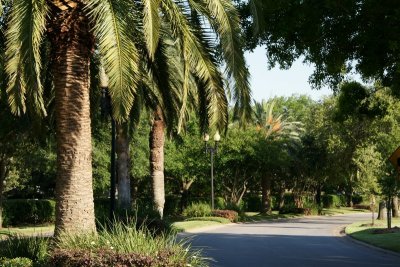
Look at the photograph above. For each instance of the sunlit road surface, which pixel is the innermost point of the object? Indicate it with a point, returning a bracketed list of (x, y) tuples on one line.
[(308, 242)]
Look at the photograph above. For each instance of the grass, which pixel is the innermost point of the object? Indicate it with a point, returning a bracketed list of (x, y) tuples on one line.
[(256, 216), (364, 232), (341, 210), (192, 223), (27, 230)]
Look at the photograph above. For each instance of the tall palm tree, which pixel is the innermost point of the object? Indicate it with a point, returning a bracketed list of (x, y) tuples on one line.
[(273, 126), (73, 28)]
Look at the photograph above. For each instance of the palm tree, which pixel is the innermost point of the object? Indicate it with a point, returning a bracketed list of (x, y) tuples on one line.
[(273, 126), (66, 25)]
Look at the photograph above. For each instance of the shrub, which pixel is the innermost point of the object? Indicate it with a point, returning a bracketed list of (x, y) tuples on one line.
[(122, 245), (16, 262), (197, 210), (220, 203), (357, 199), (172, 205), (362, 206), (233, 206), (28, 211), (231, 215), (331, 201), (253, 203), (34, 248)]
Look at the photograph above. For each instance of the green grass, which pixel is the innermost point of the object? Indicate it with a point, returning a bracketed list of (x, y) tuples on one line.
[(256, 216), (363, 232), (197, 222), (342, 210), (27, 230)]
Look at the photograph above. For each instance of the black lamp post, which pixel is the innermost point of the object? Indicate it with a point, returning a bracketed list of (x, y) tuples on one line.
[(212, 150)]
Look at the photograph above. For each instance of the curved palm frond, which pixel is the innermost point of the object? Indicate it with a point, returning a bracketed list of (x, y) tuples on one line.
[(112, 20), (151, 25), (224, 18), (200, 63), (24, 36)]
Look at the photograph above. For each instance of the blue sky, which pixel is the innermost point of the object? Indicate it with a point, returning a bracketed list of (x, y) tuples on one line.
[(276, 82)]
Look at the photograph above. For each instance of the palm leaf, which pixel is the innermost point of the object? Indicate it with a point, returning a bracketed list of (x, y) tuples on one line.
[(151, 25), (111, 20), (224, 18), (23, 64), (199, 61)]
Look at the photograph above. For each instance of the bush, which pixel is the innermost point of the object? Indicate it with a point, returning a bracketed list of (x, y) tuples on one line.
[(122, 245), (238, 208), (197, 210), (34, 248), (253, 203), (357, 199), (331, 201), (28, 211), (16, 262), (231, 215), (220, 203), (172, 205)]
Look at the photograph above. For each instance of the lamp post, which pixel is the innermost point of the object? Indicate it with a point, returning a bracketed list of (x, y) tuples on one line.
[(212, 150)]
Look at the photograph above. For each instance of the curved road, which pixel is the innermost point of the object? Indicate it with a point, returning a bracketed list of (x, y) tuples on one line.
[(303, 242)]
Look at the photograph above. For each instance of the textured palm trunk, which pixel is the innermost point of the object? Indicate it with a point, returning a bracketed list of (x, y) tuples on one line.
[(395, 204), (124, 182), (156, 142), (266, 207), (72, 46)]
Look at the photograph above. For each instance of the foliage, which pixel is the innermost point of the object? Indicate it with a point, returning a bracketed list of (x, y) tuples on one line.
[(331, 201), (124, 242), (28, 211), (197, 210), (16, 262), (35, 248), (231, 215)]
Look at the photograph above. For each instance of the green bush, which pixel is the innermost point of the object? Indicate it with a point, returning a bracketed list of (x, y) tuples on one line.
[(172, 205), (122, 245), (238, 208), (34, 248), (220, 203), (253, 203), (28, 211), (197, 210), (16, 262), (331, 201)]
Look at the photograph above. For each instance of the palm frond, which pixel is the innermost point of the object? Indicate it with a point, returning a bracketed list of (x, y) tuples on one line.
[(256, 7), (23, 64), (224, 18), (151, 23), (111, 20), (200, 63)]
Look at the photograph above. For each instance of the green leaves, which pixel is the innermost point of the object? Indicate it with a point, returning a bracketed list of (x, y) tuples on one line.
[(23, 64), (112, 22), (151, 25)]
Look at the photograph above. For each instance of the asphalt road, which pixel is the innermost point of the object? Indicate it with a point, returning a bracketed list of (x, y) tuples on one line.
[(308, 242)]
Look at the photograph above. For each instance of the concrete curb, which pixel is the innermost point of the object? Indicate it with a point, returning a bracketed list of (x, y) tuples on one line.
[(340, 232)]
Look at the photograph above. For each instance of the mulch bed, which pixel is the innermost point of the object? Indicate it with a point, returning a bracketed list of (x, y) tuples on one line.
[(387, 231)]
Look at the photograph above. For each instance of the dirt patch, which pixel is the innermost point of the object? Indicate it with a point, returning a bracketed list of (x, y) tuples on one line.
[(387, 231)]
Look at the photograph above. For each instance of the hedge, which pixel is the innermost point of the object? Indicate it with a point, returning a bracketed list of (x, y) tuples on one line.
[(28, 211), (331, 201)]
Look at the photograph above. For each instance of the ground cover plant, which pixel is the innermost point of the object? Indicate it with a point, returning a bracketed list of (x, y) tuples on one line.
[(120, 245)]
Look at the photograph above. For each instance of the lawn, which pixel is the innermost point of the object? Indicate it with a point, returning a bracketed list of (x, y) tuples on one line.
[(364, 232), (341, 210), (28, 230)]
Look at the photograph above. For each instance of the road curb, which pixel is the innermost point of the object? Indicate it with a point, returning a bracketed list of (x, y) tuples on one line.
[(340, 232)]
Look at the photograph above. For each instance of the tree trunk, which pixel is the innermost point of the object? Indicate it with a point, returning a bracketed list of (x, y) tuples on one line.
[(156, 142), (185, 194), (381, 211), (72, 46), (281, 199), (124, 182), (266, 207), (3, 174), (318, 199), (395, 207)]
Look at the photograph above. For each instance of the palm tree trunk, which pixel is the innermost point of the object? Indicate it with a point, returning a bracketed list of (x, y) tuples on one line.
[(156, 142), (266, 207), (3, 175), (124, 182), (395, 207), (72, 46)]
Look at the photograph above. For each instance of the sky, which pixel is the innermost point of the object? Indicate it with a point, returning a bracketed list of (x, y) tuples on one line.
[(267, 83)]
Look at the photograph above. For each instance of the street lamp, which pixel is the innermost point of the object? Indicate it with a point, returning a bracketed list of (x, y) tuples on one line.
[(212, 150)]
